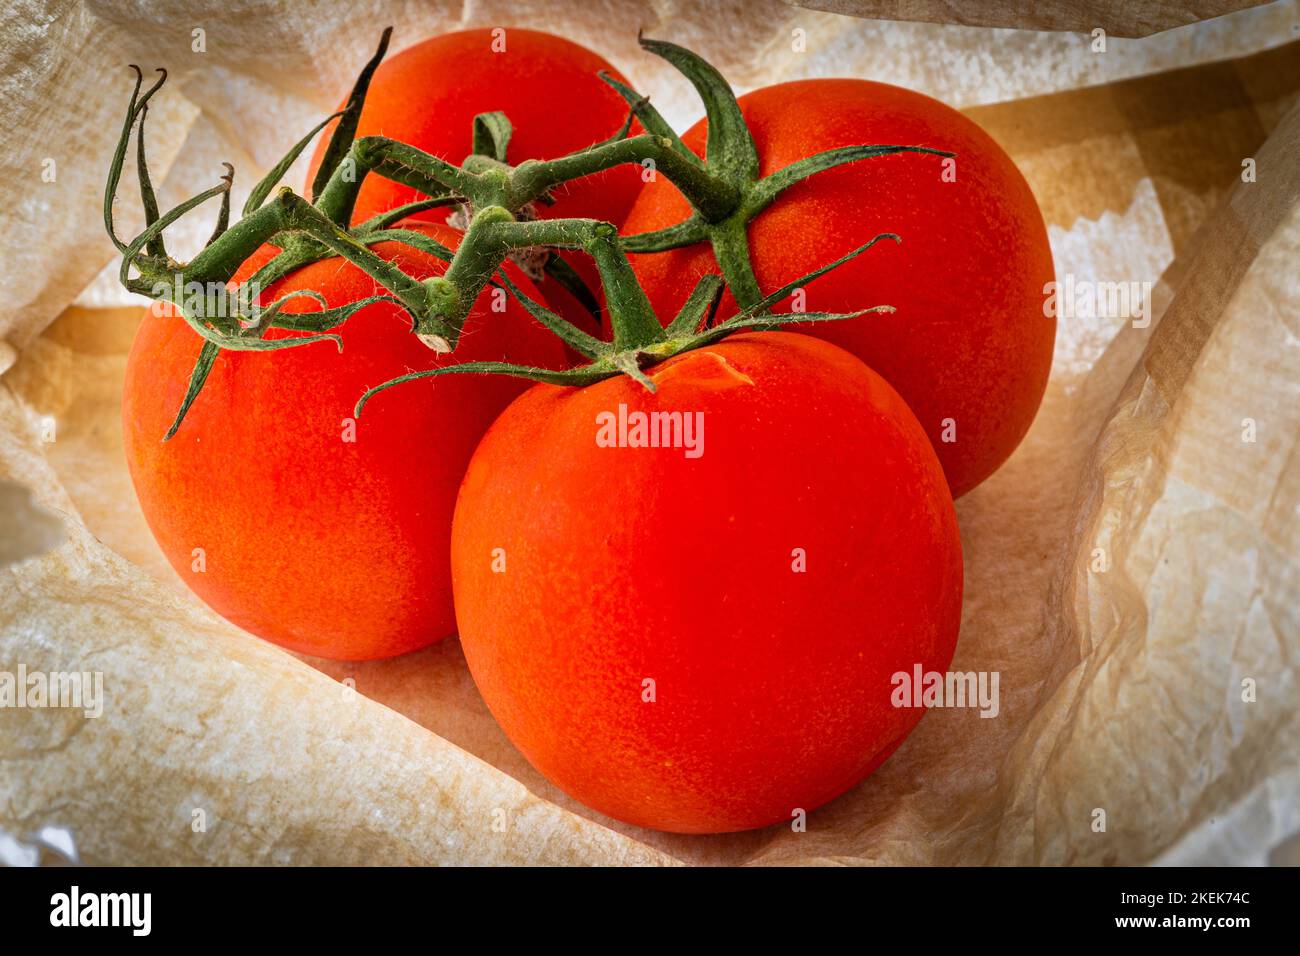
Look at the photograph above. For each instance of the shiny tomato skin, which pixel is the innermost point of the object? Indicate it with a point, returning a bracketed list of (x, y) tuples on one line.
[(969, 347), (428, 95), (581, 572), (329, 547)]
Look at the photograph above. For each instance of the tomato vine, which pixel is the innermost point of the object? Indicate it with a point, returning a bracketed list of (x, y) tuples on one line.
[(723, 189)]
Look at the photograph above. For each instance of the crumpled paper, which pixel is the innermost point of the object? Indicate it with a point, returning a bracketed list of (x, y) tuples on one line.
[(1118, 17), (1132, 572)]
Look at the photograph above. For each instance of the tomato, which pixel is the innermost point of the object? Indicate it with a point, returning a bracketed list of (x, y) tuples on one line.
[(637, 618), (325, 535), (969, 347), (428, 95)]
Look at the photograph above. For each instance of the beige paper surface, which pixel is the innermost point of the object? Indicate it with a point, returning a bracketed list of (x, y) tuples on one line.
[(1118, 17), (1121, 688)]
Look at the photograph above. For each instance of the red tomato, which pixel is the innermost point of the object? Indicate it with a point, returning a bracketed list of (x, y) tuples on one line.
[(428, 95), (331, 547), (582, 573), (969, 347)]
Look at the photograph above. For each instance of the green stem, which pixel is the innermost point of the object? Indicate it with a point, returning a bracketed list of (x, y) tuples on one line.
[(221, 259), (392, 160), (289, 213), (724, 190), (346, 130), (731, 248), (632, 316), (480, 254), (712, 196)]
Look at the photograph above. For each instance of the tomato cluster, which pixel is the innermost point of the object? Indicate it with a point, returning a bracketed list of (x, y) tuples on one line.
[(684, 574)]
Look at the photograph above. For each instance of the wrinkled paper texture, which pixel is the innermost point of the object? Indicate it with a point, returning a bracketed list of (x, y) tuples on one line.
[(1130, 572), (1118, 17)]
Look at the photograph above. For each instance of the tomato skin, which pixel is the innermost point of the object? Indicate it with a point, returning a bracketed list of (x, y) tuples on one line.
[(970, 341), (428, 95), (772, 688), (332, 548)]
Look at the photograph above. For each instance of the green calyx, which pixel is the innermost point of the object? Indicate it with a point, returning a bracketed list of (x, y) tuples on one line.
[(640, 342), (497, 202), (732, 159)]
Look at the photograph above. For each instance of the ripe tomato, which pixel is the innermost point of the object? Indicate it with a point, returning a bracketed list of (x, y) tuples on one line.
[(428, 95), (636, 618), (266, 508), (969, 347)]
